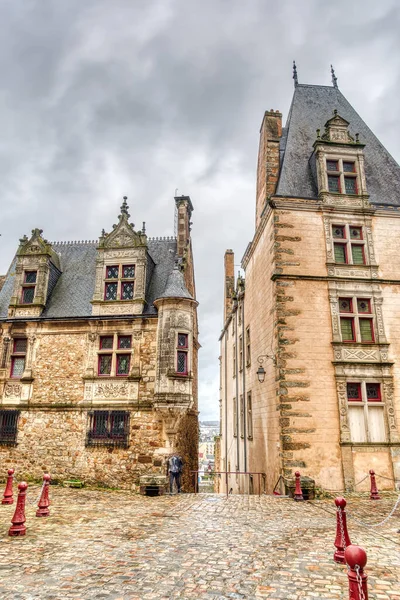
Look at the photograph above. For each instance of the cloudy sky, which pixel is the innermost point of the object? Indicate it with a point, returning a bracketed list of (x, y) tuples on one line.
[(100, 99)]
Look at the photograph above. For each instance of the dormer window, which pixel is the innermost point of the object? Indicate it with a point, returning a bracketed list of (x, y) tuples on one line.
[(28, 288), (342, 176), (119, 282)]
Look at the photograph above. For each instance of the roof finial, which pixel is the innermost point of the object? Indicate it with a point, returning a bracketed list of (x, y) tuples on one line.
[(296, 81), (144, 227), (124, 207), (334, 78)]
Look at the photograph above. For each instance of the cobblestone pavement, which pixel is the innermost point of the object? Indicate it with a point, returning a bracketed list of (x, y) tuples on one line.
[(112, 545)]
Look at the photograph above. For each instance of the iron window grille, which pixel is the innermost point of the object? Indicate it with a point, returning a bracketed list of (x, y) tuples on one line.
[(108, 428), (119, 282), (18, 357), (349, 245), (8, 427)]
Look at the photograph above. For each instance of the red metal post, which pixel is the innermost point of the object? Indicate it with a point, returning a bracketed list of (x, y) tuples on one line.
[(44, 502), (356, 558), (298, 494), (8, 492), (18, 520), (342, 540), (374, 490)]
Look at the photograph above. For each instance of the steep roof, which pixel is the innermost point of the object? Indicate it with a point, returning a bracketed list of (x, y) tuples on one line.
[(74, 289), (312, 106), (175, 287)]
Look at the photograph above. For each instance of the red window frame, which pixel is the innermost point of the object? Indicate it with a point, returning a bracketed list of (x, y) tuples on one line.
[(100, 357), (339, 190), (123, 284), (119, 356), (372, 341), (351, 319), (349, 162), (356, 186), (109, 267), (350, 300), (18, 355), (128, 267), (114, 282), (186, 336), (185, 355), (359, 397), (378, 387), (364, 312), (130, 342), (360, 230), (30, 282), (343, 228), (106, 337)]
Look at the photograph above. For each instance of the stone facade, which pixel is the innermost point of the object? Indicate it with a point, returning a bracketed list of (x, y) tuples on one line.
[(98, 384), (317, 313)]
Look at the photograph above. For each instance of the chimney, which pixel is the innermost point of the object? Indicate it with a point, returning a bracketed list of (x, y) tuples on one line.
[(229, 283), (268, 159), (184, 208)]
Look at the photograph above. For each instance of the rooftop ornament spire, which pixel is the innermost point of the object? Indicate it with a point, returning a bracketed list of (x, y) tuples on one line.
[(296, 81), (334, 78), (124, 207)]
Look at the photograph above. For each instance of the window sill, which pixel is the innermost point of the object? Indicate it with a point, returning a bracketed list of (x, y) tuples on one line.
[(361, 445), (175, 375)]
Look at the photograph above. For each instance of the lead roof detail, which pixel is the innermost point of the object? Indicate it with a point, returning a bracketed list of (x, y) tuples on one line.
[(312, 106)]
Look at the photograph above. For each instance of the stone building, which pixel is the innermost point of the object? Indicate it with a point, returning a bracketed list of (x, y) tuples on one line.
[(98, 372), (310, 347)]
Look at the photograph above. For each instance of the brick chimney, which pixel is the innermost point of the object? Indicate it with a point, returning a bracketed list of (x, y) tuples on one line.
[(268, 159), (229, 282)]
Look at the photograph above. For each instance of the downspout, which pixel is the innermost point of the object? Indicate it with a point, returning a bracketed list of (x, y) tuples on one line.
[(244, 349)]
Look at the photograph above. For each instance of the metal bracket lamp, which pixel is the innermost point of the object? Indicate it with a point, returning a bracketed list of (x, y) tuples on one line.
[(261, 371)]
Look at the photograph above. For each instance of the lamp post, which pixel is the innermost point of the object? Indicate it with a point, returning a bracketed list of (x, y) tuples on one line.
[(261, 370)]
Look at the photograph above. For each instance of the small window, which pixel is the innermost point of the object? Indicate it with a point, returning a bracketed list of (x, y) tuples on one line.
[(346, 305), (106, 342), (332, 165), (28, 294), (124, 341), (8, 427), (108, 428), (127, 290), (338, 231), (235, 415), (249, 416), (248, 348), (105, 361), (123, 362), (112, 272), (18, 358), (182, 340), (350, 185), (357, 253), (241, 415), (354, 392), (240, 353), (334, 183), (30, 276), (366, 330), (340, 253), (373, 392), (356, 233), (363, 306), (111, 291), (182, 363), (347, 329), (128, 271), (349, 167)]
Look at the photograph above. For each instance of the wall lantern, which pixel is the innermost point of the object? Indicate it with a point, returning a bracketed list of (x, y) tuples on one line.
[(261, 370)]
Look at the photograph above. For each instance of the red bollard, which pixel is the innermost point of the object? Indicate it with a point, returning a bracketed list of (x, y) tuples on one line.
[(298, 494), (342, 539), (44, 502), (374, 490), (18, 520), (356, 558), (8, 492)]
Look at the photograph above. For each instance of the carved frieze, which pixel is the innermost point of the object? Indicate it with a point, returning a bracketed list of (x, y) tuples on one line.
[(343, 414), (110, 390), (388, 391)]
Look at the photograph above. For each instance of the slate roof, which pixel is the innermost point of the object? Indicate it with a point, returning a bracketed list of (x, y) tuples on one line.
[(312, 106), (74, 289), (175, 287)]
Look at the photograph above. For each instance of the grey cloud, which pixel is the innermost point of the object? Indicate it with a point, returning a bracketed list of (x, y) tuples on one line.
[(101, 99)]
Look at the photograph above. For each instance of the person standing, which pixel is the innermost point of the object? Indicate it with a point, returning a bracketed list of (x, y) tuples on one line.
[(175, 466)]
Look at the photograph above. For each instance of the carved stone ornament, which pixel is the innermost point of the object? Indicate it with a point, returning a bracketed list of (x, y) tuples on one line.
[(13, 390), (341, 388), (388, 390), (111, 390)]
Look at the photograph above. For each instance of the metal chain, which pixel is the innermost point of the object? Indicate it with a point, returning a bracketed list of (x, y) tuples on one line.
[(359, 581), (361, 480), (342, 528), (376, 524), (34, 503)]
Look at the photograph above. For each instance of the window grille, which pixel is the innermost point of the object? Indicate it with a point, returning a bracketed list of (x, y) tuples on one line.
[(111, 291), (127, 290), (8, 427), (112, 272), (128, 271), (181, 363), (18, 357), (108, 428)]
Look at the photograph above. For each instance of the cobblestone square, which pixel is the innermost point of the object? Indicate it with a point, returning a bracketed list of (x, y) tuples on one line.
[(113, 545)]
